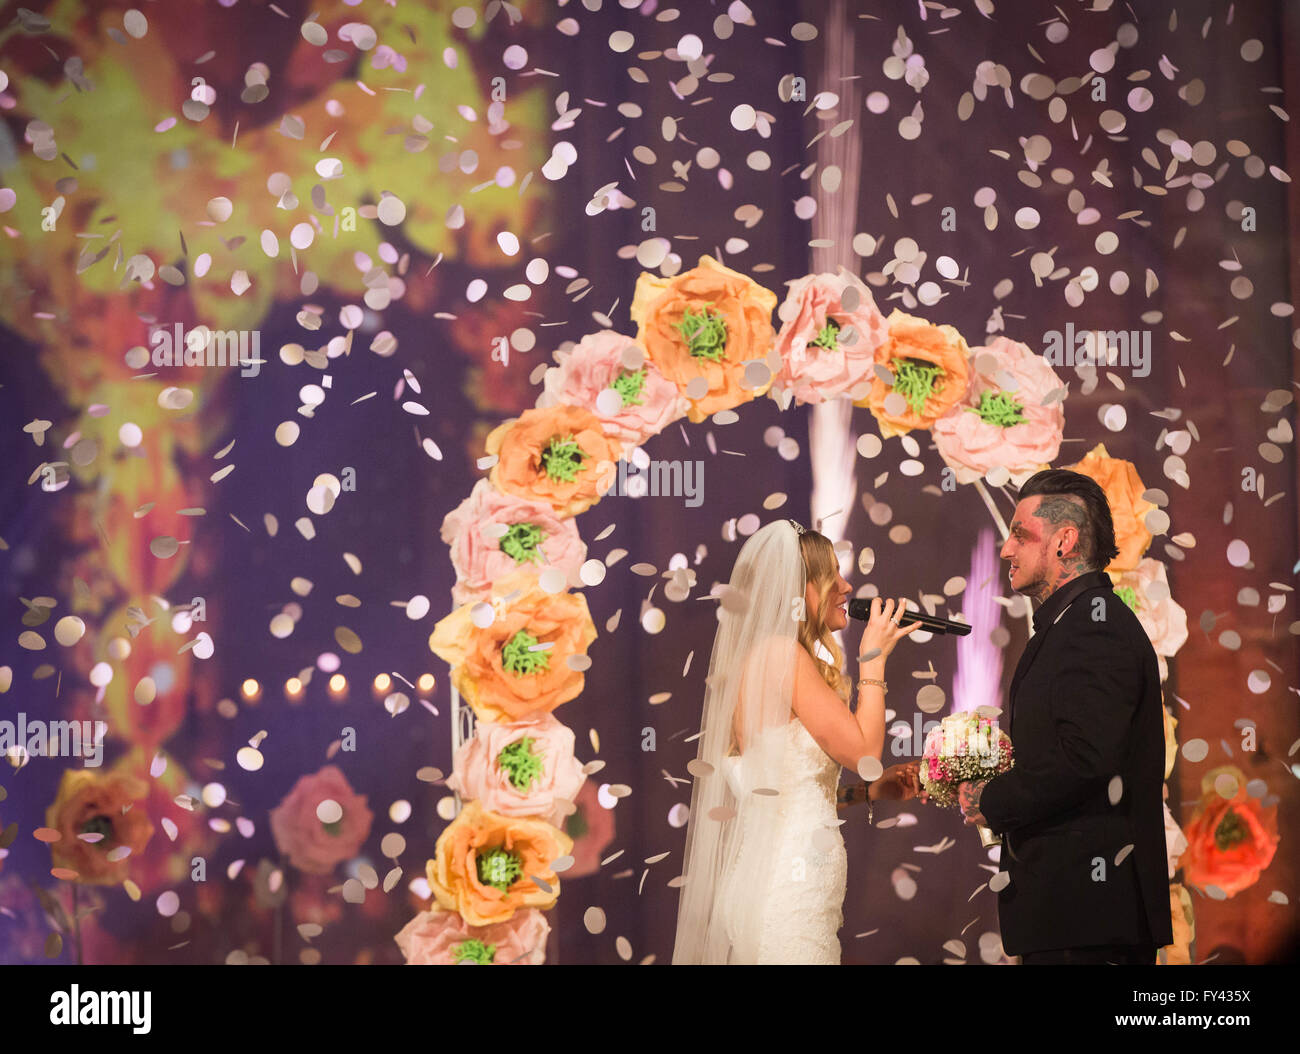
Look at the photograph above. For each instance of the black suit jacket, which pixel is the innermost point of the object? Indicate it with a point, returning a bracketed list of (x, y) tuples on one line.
[(1085, 707)]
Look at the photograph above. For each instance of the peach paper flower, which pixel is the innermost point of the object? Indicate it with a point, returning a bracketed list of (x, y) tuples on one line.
[(701, 327), (931, 368), (492, 535), (1002, 420), (1128, 510), (107, 810), (314, 845), (607, 374), (1146, 590), (485, 865), (442, 938), (560, 455), (1230, 840), (500, 669), (521, 768)]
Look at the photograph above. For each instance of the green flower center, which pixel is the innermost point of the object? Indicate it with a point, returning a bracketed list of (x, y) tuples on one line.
[(517, 658), (998, 408), (474, 951), (562, 458), (916, 381), (1231, 832), (1129, 595), (99, 825), (520, 542), (828, 337), (520, 763), (575, 824), (628, 385), (498, 868), (705, 334)]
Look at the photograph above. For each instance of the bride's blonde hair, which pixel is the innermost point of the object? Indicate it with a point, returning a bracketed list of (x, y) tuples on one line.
[(821, 566)]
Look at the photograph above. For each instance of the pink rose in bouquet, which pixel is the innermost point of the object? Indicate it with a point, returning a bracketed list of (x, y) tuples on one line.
[(1146, 590), (830, 331), (442, 938), (611, 376), (967, 745), (314, 844), (492, 534), (519, 768), (1001, 420)]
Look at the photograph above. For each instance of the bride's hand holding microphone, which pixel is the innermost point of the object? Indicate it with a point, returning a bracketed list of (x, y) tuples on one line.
[(882, 632)]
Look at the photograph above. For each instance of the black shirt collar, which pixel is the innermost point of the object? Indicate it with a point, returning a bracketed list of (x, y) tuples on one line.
[(1059, 600)]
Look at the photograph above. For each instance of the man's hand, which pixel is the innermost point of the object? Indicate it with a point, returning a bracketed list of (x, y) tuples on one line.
[(968, 799), (897, 783)]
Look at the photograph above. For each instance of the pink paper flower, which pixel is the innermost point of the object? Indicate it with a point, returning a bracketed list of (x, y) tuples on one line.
[(312, 844), (827, 343), (592, 829), (608, 374), (492, 535), (1146, 590), (517, 778), (1002, 421), (443, 938)]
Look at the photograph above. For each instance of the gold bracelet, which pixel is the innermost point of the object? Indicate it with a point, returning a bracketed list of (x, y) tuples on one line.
[(871, 680)]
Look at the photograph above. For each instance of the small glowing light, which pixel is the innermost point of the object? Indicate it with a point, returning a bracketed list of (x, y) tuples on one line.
[(338, 686), (293, 689), (426, 683), (382, 683), (251, 690)]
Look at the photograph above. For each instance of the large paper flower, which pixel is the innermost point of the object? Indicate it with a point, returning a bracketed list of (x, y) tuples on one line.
[(591, 826), (492, 535), (517, 667), (1230, 840), (830, 331), (485, 865), (1124, 488), (101, 823), (931, 368), (442, 938), (700, 328), (1171, 742), (523, 768), (559, 455), (1179, 953), (609, 375), (313, 843), (1002, 419), (1146, 590)]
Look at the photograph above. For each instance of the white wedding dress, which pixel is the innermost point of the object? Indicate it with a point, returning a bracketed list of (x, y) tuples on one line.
[(803, 893)]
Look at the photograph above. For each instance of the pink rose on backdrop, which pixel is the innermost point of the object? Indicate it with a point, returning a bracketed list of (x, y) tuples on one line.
[(591, 827), (610, 375), (492, 535), (312, 844), (830, 330), (434, 938), (544, 769), (1146, 590), (1002, 421)]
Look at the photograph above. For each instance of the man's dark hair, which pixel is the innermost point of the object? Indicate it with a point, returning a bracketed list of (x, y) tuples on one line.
[(1096, 529)]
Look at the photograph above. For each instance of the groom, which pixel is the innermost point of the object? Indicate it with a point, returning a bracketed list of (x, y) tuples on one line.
[(1080, 812)]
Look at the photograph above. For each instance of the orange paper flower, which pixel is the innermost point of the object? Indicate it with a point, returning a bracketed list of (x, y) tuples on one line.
[(107, 805), (500, 670), (1123, 487), (559, 455), (913, 350), (707, 323), (485, 865), (1179, 953), (1230, 841)]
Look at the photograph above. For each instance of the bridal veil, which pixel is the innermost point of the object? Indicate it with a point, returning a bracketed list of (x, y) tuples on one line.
[(733, 827)]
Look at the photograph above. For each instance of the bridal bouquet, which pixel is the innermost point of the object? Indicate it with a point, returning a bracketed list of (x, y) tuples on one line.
[(966, 746)]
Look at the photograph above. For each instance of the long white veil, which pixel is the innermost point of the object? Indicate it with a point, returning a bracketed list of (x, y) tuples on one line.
[(733, 825)]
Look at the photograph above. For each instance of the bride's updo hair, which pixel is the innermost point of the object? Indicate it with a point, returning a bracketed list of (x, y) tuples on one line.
[(821, 566)]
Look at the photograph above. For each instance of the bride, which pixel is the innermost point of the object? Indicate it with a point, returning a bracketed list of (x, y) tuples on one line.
[(765, 867)]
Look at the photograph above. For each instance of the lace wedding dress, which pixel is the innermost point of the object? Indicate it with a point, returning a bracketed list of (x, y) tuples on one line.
[(803, 893)]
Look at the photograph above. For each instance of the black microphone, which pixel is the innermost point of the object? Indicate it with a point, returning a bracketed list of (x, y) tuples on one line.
[(860, 608)]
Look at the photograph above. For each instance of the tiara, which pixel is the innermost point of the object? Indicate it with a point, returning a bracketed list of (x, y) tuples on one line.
[(799, 527)]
